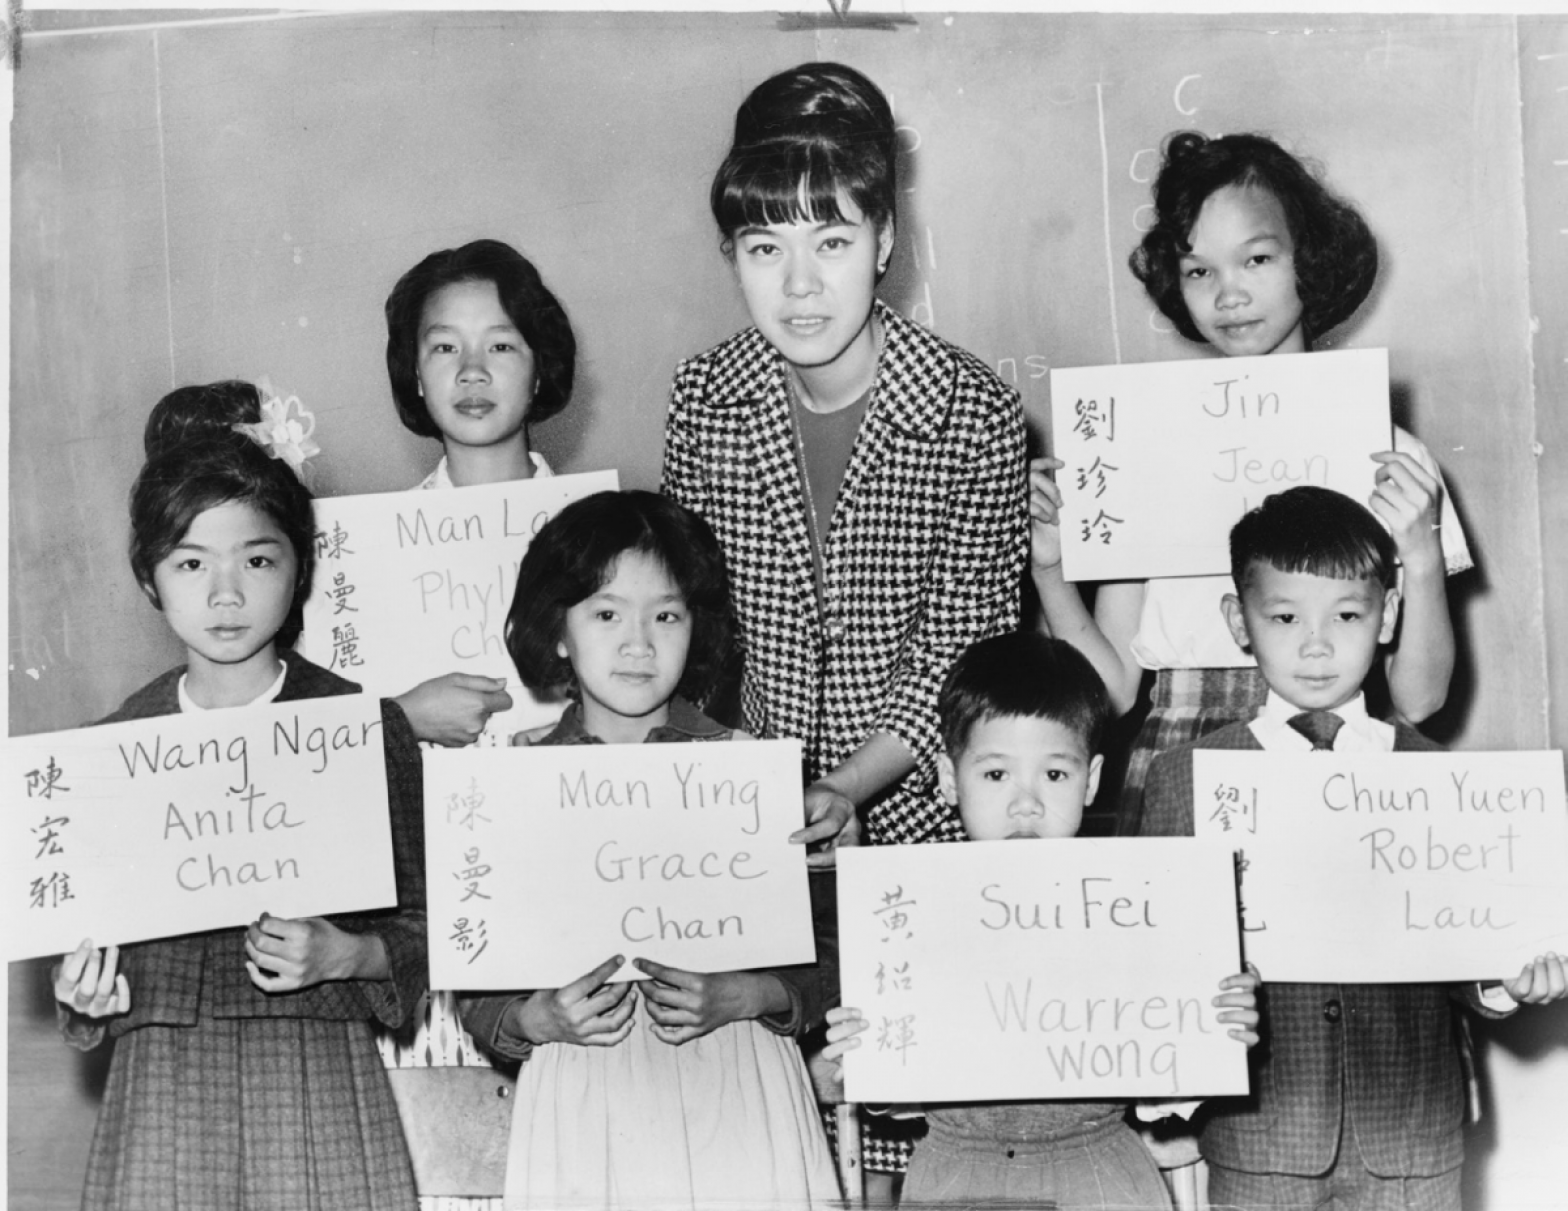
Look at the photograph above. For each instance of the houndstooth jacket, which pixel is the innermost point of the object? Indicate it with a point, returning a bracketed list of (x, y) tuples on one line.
[(1385, 1055), (925, 550)]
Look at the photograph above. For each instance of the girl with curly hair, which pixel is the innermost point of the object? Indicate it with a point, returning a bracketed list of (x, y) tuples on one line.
[(1250, 253)]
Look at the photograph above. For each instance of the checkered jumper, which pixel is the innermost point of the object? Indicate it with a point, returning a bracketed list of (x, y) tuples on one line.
[(221, 1095), (174, 981)]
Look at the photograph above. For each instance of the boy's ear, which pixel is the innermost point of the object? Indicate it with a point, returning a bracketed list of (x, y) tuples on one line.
[(150, 591), (1096, 764), (1236, 620), (1390, 615), (947, 779)]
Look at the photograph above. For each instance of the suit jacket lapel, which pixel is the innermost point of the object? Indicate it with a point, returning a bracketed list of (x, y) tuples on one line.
[(913, 395), (761, 405), (915, 381)]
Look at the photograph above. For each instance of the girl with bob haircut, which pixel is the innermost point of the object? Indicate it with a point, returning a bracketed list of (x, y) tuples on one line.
[(478, 350), (865, 478), (1253, 255), (520, 292), (682, 1089), (245, 1070), (585, 540)]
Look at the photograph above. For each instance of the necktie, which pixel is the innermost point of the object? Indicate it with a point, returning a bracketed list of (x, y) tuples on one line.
[(1320, 727)]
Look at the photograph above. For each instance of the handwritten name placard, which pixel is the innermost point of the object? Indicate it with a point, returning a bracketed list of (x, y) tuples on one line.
[(1162, 458), (186, 823), (544, 862), (998, 970), (1389, 867), (410, 585)]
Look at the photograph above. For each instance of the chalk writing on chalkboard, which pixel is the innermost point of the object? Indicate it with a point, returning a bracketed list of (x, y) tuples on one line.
[(923, 307), (1036, 364), (1143, 167)]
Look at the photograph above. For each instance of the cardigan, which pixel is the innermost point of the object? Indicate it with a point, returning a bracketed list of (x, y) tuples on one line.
[(175, 981), (1388, 1055), (925, 550), (812, 987)]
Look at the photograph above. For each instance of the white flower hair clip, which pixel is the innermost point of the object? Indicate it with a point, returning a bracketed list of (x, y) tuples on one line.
[(284, 428)]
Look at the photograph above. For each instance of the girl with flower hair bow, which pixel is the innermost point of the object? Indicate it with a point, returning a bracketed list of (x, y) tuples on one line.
[(284, 428), (246, 1072)]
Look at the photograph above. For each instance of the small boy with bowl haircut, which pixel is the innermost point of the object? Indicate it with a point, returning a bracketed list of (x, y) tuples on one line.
[(1358, 1092), (1023, 720)]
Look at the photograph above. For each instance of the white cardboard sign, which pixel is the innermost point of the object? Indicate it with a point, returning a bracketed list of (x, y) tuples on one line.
[(1000, 970), (411, 585), (185, 823), (1162, 458), (544, 862), (1390, 867)]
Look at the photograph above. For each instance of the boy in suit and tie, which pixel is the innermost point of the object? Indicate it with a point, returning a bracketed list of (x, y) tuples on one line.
[(1358, 1091)]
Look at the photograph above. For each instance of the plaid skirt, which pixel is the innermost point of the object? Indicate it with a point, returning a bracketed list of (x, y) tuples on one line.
[(240, 1113), (1186, 704)]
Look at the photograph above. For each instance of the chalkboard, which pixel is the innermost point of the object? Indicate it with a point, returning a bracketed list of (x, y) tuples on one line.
[(196, 199), (1543, 85)]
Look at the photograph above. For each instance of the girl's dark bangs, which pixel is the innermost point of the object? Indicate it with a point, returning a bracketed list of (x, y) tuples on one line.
[(766, 188)]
